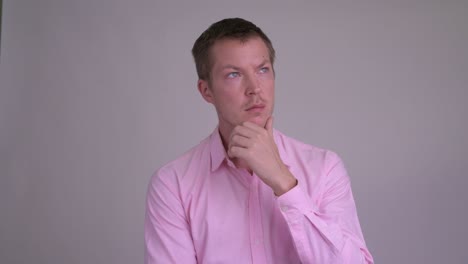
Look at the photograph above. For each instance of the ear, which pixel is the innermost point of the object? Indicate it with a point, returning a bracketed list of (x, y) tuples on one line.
[(205, 91)]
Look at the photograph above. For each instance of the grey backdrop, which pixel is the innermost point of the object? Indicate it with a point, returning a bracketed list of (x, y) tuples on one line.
[(97, 94)]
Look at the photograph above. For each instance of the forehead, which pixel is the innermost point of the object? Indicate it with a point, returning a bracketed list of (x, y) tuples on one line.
[(239, 52)]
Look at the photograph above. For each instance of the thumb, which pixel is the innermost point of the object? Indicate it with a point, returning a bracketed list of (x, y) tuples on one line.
[(269, 125)]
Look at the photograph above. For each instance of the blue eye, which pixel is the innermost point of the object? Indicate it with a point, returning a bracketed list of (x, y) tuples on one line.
[(233, 75), (264, 70)]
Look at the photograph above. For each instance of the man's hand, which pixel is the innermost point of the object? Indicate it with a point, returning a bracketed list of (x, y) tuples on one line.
[(255, 146)]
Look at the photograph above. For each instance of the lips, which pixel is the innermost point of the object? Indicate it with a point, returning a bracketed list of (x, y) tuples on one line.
[(255, 107)]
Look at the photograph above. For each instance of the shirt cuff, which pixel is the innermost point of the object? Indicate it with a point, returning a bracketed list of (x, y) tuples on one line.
[(295, 205), (295, 199)]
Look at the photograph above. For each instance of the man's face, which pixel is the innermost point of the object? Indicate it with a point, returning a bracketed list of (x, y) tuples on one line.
[(242, 82)]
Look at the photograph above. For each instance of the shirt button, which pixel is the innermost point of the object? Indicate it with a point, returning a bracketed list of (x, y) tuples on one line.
[(284, 208)]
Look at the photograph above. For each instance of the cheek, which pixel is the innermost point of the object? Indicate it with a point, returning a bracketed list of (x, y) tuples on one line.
[(268, 87), (227, 99), (229, 92)]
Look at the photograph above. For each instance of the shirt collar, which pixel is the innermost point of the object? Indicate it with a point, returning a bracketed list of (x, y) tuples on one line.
[(219, 155), (217, 152)]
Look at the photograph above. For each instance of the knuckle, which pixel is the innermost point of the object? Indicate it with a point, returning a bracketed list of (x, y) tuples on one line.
[(232, 150)]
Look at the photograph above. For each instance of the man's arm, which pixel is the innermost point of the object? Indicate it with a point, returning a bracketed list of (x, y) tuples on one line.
[(167, 235), (328, 230)]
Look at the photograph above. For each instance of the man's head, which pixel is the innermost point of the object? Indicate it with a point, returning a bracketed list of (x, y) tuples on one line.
[(234, 61), (229, 28)]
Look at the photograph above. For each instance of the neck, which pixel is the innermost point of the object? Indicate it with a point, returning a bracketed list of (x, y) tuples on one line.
[(225, 133)]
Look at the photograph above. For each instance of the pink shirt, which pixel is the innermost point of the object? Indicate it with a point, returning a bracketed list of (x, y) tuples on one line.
[(202, 209)]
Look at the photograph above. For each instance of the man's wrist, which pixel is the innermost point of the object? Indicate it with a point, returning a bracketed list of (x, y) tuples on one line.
[(288, 182)]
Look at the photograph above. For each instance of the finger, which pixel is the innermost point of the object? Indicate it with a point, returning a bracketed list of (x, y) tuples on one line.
[(237, 152), (240, 141), (243, 131), (269, 125)]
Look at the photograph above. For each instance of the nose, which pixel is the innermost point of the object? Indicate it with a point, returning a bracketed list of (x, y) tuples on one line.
[(252, 86)]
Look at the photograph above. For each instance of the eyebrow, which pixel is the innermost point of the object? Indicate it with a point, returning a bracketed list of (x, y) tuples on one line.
[(230, 66), (265, 61)]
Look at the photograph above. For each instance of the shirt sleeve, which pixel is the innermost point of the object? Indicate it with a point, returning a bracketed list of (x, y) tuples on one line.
[(167, 235), (327, 230)]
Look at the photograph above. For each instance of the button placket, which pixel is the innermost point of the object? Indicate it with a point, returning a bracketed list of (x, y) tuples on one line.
[(256, 230)]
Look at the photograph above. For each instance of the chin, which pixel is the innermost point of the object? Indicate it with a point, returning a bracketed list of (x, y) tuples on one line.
[(259, 120)]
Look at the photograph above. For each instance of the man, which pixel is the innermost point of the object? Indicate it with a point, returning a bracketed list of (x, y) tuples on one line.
[(248, 193)]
